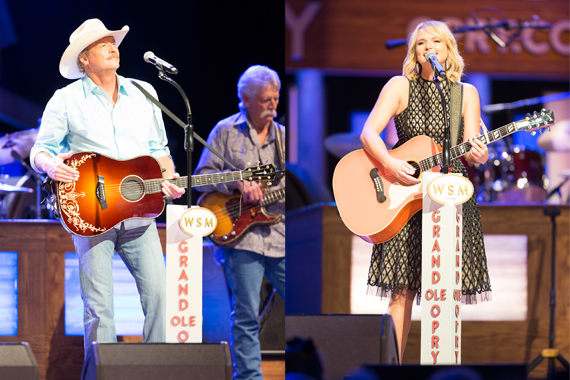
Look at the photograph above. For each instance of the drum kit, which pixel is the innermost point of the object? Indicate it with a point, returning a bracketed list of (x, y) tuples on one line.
[(511, 174), (20, 196)]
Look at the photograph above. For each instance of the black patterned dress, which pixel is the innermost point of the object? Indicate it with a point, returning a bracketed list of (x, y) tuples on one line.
[(396, 264)]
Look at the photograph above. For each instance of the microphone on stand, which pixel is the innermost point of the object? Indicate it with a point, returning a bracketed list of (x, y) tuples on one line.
[(437, 67), (160, 64)]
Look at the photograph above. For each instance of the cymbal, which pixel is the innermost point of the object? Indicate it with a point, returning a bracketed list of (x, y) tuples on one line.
[(558, 139), (4, 188), (20, 142)]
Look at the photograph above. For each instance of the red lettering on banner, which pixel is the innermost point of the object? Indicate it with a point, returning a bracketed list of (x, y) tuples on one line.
[(175, 321), (456, 357), (435, 246), (435, 230), (183, 261), (457, 261), (435, 216), (434, 326), (457, 310), (183, 246), (456, 341), (434, 355), (183, 323), (458, 249), (456, 326), (192, 321), (435, 341), (182, 304), (458, 216), (429, 294), (443, 297), (435, 311), (434, 261), (456, 295), (183, 289), (183, 276), (435, 277), (458, 231), (182, 336), (457, 277)]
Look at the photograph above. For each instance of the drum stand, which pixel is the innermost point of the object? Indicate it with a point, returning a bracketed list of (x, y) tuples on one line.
[(550, 353)]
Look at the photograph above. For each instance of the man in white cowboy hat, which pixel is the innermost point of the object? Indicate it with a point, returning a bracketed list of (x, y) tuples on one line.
[(105, 113)]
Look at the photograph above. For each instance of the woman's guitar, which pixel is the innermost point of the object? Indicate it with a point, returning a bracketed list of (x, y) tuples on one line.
[(375, 206), (235, 218), (109, 191)]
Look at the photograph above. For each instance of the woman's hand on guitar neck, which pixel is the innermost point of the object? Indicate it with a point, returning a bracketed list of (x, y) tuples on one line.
[(55, 168), (403, 171)]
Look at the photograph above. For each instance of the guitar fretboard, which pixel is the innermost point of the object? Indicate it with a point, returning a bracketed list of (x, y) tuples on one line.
[(463, 148), (272, 197), (155, 185)]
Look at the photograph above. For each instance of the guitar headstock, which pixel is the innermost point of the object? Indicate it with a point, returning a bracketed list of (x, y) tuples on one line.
[(536, 120), (258, 173)]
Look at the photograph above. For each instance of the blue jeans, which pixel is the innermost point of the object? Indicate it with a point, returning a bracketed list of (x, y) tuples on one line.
[(244, 273), (141, 251)]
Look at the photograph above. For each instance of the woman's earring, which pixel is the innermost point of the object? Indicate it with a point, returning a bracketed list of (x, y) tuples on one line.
[(447, 64), (418, 67)]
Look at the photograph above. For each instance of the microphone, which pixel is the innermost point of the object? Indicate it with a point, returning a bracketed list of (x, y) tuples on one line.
[(149, 57), (432, 58)]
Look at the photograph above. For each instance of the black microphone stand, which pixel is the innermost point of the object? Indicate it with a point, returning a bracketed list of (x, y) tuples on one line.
[(551, 353), (188, 131), (446, 135)]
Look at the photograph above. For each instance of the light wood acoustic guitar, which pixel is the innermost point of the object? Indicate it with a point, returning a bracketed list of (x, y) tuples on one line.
[(375, 206), (236, 218), (110, 191)]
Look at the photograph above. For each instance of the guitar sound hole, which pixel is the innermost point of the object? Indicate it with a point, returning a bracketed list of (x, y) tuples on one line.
[(132, 188)]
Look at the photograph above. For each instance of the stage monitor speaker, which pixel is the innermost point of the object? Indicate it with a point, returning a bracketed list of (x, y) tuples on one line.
[(441, 372), (346, 341), (17, 362), (165, 361)]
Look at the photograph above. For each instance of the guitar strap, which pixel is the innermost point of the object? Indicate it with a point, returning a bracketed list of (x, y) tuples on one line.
[(455, 106), (180, 123), (280, 147)]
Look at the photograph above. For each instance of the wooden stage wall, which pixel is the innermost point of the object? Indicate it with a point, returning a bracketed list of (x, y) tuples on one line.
[(41, 247), (318, 281)]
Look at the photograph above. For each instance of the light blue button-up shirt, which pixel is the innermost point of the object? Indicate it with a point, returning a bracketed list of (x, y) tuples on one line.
[(81, 118)]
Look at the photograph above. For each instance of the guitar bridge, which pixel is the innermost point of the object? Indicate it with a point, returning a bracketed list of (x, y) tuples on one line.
[(378, 185), (100, 192)]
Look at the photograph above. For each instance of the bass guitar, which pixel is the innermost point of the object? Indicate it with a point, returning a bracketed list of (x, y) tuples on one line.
[(236, 218), (110, 191), (376, 206)]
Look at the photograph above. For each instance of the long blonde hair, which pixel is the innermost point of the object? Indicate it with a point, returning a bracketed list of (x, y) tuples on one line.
[(454, 64)]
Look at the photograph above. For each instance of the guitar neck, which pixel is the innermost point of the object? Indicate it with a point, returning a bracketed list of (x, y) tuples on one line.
[(463, 148), (272, 197), (155, 185)]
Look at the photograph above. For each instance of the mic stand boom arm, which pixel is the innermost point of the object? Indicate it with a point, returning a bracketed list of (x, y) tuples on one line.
[(446, 135), (188, 131)]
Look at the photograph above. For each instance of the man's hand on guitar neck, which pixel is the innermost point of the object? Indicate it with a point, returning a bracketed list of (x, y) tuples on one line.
[(55, 168), (251, 191)]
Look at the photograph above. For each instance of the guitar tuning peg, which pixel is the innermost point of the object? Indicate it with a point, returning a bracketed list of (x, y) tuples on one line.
[(535, 113), (533, 133), (540, 130), (527, 115), (257, 163), (248, 164), (543, 110), (269, 183)]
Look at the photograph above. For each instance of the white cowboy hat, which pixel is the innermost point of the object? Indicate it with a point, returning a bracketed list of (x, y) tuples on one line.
[(89, 32)]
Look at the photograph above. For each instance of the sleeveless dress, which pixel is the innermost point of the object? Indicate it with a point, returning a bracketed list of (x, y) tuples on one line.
[(396, 264)]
